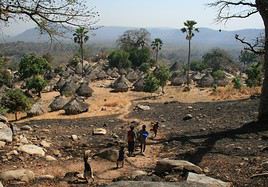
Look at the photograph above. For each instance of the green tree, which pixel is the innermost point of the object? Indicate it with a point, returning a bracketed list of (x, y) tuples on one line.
[(15, 101), (81, 37), (157, 46), (197, 65), (246, 58), (49, 16), (243, 9), (31, 65), (119, 59), (139, 56), (189, 29), (151, 83), (254, 73), (162, 74), (37, 83)]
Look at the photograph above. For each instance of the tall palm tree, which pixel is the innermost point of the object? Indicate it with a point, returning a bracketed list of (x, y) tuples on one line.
[(189, 29), (157, 46), (81, 37)]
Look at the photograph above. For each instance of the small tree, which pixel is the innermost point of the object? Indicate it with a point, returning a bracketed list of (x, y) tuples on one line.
[(237, 83), (139, 56), (151, 83), (246, 58), (254, 73), (15, 101), (119, 59), (37, 83), (31, 65), (162, 74), (157, 46), (81, 37), (189, 29)]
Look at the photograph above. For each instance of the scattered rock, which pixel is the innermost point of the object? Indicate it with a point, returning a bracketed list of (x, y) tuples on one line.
[(138, 173), (45, 177), (108, 154), (14, 152), (32, 150), (188, 117), (57, 153), (50, 158), (167, 165), (99, 131), (149, 184), (45, 144), (2, 144), (5, 133), (3, 119), (74, 137), (143, 107), (208, 181), (24, 175), (26, 128)]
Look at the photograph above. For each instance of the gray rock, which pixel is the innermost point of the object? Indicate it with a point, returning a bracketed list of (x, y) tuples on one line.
[(138, 173), (5, 133), (19, 175), (74, 137), (3, 119), (108, 154), (45, 144), (32, 150), (143, 107), (50, 158), (167, 165), (208, 181), (188, 117), (2, 144), (99, 131), (26, 128)]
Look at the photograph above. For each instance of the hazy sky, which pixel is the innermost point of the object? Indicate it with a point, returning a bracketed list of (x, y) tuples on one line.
[(156, 13)]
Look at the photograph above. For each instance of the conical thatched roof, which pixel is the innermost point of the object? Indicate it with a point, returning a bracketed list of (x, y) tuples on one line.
[(60, 84), (121, 84), (75, 106), (102, 75), (206, 81), (197, 76), (84, 90), (36, 110), (92, 76), (139, 85), (177, 79), (78, 68), (132, 76), (69, 88), (122, 72), (58, 103)]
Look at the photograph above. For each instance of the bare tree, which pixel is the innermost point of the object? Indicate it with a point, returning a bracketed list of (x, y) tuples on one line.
[(49, 15), (228, 9)]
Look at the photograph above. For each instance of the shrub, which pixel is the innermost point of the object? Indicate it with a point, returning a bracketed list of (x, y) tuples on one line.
[(37, 83), (218, 75), (254, 73), (162, 74), (15, 101), (197, 66), (74, 61), (237, 83), (151, 83), (119, 59), (139, 56)]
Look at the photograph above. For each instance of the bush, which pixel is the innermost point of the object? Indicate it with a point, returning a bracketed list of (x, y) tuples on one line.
[(218, 75), (162, 74), (15, 101), (151, 83), (74, 61), (237, 83), (254, 73), (119, 59), (197, 66), (37, 83), (31, 65), (6, 78), (145, 67), (139, 56)]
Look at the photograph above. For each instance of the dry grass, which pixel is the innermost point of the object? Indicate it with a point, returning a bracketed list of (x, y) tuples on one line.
[(112, 104)]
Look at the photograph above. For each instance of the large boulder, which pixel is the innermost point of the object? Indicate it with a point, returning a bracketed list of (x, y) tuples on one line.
[(178, 80), (207, 181), (206, 81), (32, 150), (36, 110), (167, 165), (84, 90), (132, 76), (121, 84), (75, 106), (60, 84), (5, 133), (101, 75), (108, 154), (58, 103), (23, 175)]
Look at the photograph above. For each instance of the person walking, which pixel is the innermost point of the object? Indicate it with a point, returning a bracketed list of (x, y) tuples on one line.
[(143, 134), (131, 138)]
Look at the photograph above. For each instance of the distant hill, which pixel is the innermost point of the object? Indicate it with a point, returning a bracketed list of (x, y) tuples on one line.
[(170, 36)]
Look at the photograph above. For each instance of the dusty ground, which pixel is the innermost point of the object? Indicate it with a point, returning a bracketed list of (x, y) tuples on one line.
[(215, 139)]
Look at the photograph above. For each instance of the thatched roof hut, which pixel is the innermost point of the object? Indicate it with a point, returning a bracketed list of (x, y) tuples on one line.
[(76, 106), (58, 103), (206, 81), (84, 90), (36, 110), (69, 88), (121, 84), (139, 85)]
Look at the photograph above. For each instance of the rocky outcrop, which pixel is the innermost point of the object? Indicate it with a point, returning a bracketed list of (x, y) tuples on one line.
[(5, 133)]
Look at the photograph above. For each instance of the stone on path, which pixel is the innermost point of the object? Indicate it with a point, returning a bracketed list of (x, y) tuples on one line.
[(5, 133), (50, 158), (26, 128), (143, 107), (45, 144), (208, 181), (138, 173), (45, 177), (32, 150), (167, 165), (3, 119), (99, 131), (74, 137), (24, 175)]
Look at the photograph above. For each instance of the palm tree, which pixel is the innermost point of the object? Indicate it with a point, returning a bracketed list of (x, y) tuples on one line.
[(189, 29), (80, 37), (157, 46)]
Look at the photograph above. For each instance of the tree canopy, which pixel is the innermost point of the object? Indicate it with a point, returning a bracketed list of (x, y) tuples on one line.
[(49, 15)]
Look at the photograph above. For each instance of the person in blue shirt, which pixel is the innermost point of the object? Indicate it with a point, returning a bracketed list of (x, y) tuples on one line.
[(143, 134)]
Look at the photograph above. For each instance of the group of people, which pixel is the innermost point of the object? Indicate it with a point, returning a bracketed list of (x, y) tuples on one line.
[(133, 138)]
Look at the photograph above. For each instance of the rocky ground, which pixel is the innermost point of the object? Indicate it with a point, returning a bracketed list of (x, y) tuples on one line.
[(218, 137)]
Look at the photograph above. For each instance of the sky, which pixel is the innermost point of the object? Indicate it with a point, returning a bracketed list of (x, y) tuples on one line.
[(155, 13)]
